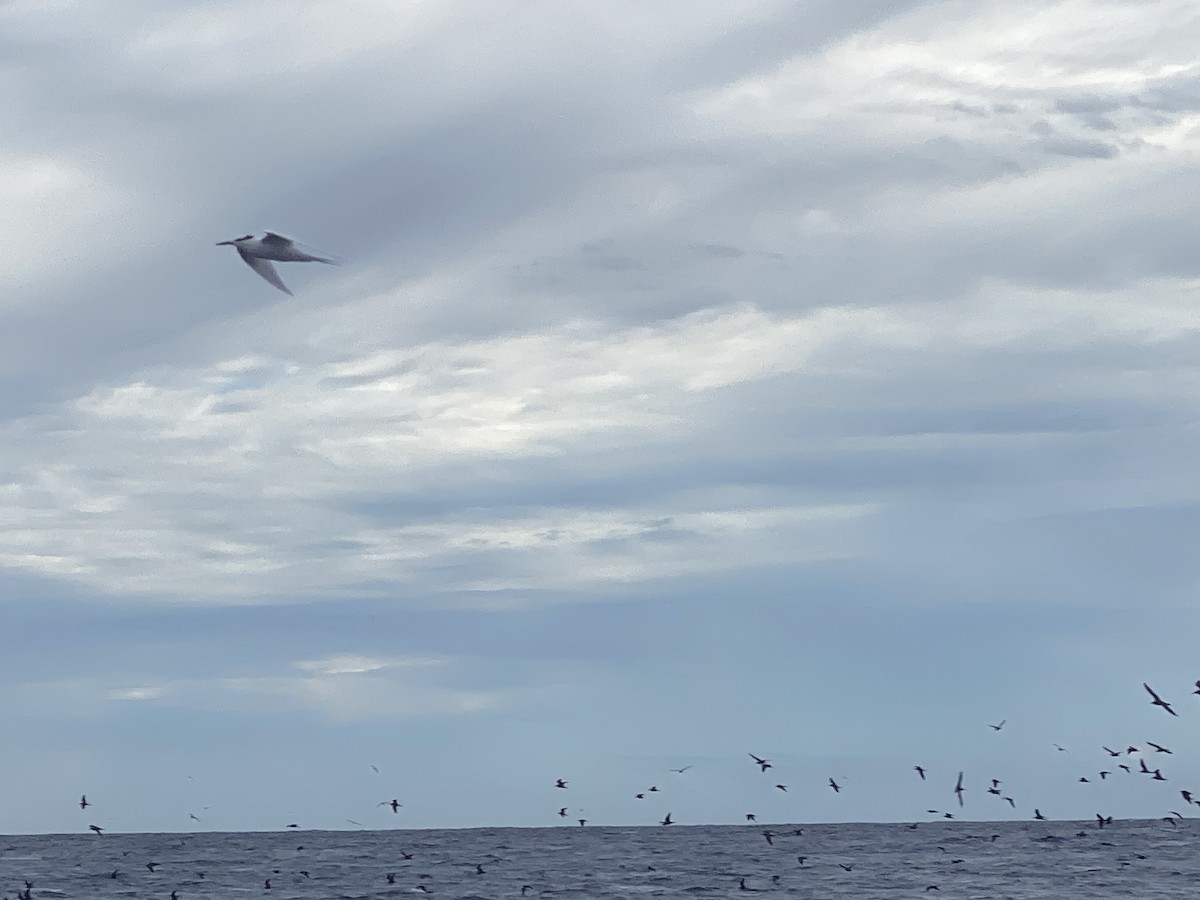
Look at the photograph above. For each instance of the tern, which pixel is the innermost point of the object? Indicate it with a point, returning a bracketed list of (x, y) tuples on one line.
[(1157, 700), (257, 253)]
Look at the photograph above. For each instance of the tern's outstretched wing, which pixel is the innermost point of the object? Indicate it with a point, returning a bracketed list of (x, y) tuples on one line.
[(277, 240), (264, 268)]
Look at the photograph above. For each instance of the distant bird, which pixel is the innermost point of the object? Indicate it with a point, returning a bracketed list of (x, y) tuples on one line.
[(1037, 814), (769, 836), (96, 828), (559, 783), (1011, 802), (639, 796), (1158, 748), (152, 866), (393, 803), (652, 789), (1058, 748), (563, 812), (998, 727), (193, 816), (996, 782), (782, 787), (1103, 820), (375, 769), (763, 764), (837, 788), (666, 820), (479, 869), (1083, 780), (1197, 690), (267, 884), (83, 802), (920, 771), (681, 771), (293, 825), (1158, 775), (174, 895), (391, 877), (750, 817), (582, 822), (958, 789), (257, 253), (1104, 775), (1111, 752), (1125, 767), (1143, 768), (1187, 796), (1157, 700), (1131, 750), (846, 867)]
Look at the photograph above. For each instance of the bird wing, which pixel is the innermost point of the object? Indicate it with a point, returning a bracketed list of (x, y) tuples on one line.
[(264, 268), (1150, 691), (276, 240)]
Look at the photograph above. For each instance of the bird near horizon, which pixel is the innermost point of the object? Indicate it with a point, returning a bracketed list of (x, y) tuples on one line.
[(258, 253), (958, 789), (1157, 700), (393, 803), (96, 828)]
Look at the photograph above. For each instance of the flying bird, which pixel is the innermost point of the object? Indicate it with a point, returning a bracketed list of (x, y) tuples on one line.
[(666, 820), (1157, 700), (681, 771), (393, 803), (83, 802), (1158, 748), (96, 828), (257, 253), (559, 783), (920, 771), (763, 764), (998, 727), (837, 788), (958, 789)]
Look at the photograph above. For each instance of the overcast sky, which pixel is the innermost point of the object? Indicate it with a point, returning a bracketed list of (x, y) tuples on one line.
[(818, 380)]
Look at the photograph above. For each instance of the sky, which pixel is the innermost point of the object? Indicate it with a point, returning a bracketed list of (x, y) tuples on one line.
[(818, 381)]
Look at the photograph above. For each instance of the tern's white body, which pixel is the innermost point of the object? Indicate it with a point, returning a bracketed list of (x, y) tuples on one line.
[(257, 252)]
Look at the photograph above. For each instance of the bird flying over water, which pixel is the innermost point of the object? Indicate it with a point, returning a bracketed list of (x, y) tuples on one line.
[(1158, 748), (96, 828), (257, 253), (559, 783), (958, 789), (920, 771), (837, 788), (1157, 700), (83, 802)]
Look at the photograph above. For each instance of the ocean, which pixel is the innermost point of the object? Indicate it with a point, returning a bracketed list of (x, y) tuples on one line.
[(985, 860)]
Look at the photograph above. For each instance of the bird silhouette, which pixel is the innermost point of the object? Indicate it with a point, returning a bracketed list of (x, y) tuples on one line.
[(920, 771), (1157, 700), (998, 727), (958, 789)]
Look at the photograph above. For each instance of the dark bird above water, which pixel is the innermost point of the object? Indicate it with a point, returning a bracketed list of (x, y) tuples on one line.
[(563, 812), (782, 787), (763, 764), (1186, 795), (152, 866), (958, 789), (920, 771), (559, 783), (1111, 752), (1158, 748), (83, 802), (666, 820), (96, 828), (750, 817), (1037, 814), (394, 804), (1157, 700), (837, 788)]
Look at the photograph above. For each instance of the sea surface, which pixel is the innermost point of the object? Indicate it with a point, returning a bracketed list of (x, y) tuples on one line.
[(991, 861)]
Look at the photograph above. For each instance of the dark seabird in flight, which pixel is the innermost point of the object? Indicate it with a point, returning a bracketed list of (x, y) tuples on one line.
[(1197, 690), (1158, 748), (563, 812), (958, 789), (998, 727), (1125, 767), (782, 787), (681, 771), (1110, 751), (920, 771), (582, 822), (639, 796), (1011, 801), (393, 803), (152, 865), (96, 828), (559, 783), (1104, 774), (837, 788), (751, 817), (1158, 775), (1186, 795), (83, 802), (1037, 814), (763, 764), (666, 820), (1157, 700)]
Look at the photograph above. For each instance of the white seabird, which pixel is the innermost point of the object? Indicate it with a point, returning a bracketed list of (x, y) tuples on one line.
[(257, 252)]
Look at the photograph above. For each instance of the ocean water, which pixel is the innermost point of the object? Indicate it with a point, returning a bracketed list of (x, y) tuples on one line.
[(990, 861)]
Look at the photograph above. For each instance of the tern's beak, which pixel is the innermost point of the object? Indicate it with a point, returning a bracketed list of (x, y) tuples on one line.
[(224, 243)]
